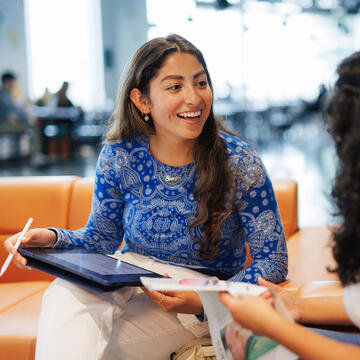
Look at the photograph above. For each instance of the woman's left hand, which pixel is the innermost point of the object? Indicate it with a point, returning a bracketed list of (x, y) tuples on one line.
[(186, 302), (253, 312)]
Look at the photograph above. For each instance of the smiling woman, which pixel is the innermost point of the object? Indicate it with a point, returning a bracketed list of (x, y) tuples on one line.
[(176, 189), (179, 103)]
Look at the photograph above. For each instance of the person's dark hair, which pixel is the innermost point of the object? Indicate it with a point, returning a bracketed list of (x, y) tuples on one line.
[(214, 176), (343, 113), (7, 76)]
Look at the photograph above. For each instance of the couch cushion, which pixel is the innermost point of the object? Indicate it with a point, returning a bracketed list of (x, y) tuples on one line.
[(44, 198), (18, 328), (14, 292), (21, 319), (17, 347), (80, 204)]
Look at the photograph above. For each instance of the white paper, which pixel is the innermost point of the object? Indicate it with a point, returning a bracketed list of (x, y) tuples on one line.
[(218, 315), (209, 284)]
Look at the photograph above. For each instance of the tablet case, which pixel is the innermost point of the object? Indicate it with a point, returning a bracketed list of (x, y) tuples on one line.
[(126, 274)]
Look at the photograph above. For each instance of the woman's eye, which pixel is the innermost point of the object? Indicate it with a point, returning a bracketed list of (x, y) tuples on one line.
[(202, 83), (174, 87)]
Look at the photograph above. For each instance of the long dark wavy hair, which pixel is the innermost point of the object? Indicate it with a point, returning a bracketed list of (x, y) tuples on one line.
[(214, 176), (343, 113)]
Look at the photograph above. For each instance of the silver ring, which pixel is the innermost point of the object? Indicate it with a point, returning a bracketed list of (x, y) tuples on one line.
[(162, 299)]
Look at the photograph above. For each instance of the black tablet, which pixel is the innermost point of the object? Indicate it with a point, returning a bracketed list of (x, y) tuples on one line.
[(90, 269)]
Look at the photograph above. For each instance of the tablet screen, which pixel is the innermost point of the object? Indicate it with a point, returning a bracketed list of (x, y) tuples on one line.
[(97, 267), (99, 263)]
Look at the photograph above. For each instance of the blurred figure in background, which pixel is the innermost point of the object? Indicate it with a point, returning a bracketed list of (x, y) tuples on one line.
[(61, 97), (15, 122), (57, 118), (9, 110), (44, 100), (55, 100)]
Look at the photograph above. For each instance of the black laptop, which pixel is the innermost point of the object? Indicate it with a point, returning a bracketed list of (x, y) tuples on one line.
[(95, 271)]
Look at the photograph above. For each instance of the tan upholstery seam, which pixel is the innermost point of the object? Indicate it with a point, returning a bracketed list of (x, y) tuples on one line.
[(20, 300)]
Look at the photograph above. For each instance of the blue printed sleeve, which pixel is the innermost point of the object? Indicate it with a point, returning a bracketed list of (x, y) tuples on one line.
[(260, 218), (104, 229)]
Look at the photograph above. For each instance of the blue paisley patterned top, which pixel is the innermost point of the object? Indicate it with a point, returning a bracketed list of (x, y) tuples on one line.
[(149, 205)]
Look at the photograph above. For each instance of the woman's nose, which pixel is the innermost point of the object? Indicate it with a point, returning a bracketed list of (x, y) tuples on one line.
[(191, 96)]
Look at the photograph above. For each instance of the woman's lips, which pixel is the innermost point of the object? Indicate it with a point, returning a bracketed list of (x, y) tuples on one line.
[(190, 117)]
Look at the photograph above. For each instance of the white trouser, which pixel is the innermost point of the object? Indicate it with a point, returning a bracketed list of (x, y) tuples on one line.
[(78, 324)]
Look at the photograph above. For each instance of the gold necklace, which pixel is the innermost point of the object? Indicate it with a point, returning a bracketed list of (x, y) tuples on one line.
[(169, 178)]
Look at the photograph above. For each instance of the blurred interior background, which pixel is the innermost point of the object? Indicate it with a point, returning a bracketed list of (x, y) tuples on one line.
[(272, 64)]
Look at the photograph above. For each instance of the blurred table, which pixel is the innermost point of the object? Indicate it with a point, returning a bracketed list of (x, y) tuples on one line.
[(57, 128)]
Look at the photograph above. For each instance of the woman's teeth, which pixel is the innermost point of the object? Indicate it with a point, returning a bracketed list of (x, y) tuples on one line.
[(190, 114)]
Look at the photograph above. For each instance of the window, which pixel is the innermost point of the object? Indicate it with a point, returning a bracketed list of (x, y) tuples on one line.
[(65, 44), (261, 52)]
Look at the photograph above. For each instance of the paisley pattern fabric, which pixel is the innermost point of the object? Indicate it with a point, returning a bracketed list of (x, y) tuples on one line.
[(149, 205)]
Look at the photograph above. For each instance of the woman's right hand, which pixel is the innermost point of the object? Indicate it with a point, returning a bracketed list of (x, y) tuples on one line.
[(33, 238), (290, 301)]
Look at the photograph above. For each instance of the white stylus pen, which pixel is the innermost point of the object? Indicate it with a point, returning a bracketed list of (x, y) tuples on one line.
[(16, 246)]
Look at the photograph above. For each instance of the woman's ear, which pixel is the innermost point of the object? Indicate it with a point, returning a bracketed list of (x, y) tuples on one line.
[(139, 100)]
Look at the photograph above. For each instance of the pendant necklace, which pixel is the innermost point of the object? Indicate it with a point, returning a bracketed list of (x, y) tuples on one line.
[(183, 171), (169, 178)]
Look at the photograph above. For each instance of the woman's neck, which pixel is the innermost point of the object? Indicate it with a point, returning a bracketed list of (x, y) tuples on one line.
[(170, 152)]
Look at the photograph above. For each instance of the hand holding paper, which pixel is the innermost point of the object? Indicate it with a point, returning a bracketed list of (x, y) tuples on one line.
[(235, 294), (289, 300)]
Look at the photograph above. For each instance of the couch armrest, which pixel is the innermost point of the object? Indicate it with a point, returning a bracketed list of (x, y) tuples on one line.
[(310, 256), (330, 288), (286, 196)]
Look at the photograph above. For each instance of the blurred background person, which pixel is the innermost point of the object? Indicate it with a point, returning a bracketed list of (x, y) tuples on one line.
[(57, 117), (44, 99), (61, 97), (10, 111), (16, 122)]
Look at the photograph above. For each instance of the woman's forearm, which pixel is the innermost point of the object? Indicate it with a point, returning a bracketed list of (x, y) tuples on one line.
[(324, 310), (310, 345)]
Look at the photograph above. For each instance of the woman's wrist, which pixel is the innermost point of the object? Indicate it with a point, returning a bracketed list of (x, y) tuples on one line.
[(53, 238), (196, 303), (272, 322)]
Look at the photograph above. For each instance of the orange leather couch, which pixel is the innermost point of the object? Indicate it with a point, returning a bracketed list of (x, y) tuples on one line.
[(65, 201)]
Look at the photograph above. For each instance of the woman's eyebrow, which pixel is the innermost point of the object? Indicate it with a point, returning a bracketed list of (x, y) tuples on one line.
[(172, 77), (202, 72), (180, 77)]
